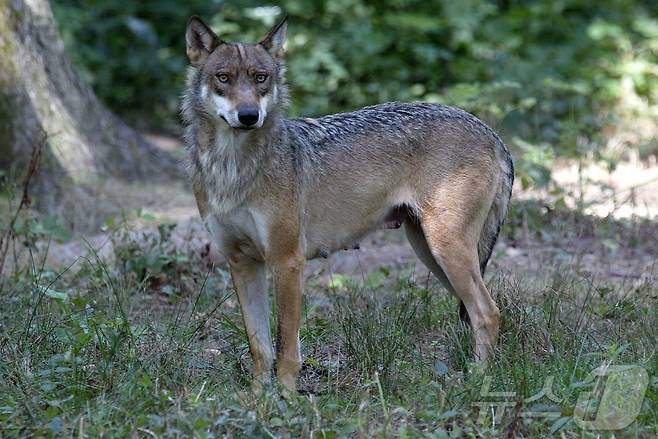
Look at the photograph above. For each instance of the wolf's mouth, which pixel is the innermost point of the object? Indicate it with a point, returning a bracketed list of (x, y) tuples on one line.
[(243, 127)]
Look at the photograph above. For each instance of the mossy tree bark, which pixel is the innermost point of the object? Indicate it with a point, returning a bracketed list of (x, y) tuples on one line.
[(43, 97)]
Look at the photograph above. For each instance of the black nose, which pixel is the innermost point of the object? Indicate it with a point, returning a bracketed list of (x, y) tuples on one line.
[(248, 115)]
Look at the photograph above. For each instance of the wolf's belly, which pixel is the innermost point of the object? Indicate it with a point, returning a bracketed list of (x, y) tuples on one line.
[(325, 234), (320, 242)]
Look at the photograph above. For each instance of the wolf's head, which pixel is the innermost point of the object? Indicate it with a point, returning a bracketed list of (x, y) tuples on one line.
[(238, 83)]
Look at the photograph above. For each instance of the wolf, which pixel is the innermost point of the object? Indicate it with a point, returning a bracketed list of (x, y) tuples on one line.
[(274, 192)]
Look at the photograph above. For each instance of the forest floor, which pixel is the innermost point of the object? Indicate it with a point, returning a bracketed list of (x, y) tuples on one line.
[(135, 331)]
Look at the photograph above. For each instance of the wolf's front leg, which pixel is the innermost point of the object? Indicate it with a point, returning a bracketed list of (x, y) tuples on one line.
[(288, 271), (250, 281)]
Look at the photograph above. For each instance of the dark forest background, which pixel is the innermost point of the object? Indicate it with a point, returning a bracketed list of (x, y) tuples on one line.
[(558, 79)]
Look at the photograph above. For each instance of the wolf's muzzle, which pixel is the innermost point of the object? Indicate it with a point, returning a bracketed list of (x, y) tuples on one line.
[(248, 116)]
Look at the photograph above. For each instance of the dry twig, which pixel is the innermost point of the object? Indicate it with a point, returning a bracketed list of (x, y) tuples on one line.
[(8, 234)]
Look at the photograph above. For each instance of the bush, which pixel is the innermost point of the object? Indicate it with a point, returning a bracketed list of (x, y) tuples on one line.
[(559, 79)]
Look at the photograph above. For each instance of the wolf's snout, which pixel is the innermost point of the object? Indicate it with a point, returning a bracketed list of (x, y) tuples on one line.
[(248, 115)]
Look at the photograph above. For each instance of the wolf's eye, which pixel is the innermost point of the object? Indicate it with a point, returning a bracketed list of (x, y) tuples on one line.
[(222, 77), (261, 77)]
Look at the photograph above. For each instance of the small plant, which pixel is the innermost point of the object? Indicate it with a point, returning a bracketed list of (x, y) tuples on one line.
[(146, 256), (21, 228)]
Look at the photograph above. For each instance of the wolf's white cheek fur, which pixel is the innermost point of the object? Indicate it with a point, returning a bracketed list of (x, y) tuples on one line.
[(217, 104), (263, 106), (222, 105)]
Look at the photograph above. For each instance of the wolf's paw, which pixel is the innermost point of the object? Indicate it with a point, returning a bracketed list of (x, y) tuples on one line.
[(260, 386), (288, 385)]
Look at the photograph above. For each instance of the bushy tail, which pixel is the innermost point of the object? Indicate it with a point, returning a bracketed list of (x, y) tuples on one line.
[(496, 215)]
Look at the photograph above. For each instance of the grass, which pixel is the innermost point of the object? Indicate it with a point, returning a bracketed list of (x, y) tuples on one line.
[(151, 345)]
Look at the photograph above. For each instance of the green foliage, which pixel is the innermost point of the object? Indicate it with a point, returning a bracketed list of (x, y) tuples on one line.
[(133, 53), (84, 354), (557, 78), (102, 348), (144, 256), (21, 229)]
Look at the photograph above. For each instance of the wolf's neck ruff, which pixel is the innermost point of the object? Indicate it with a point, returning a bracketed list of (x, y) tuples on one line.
[(230, 164)]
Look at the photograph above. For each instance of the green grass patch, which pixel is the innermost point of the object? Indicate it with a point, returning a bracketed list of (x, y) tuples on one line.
[(151, 344)]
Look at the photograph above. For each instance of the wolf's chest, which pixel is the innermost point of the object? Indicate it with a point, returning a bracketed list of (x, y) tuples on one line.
[(228, 178), (243, 228)]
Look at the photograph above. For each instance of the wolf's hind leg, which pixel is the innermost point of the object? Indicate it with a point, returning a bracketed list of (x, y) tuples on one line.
[(416, 238), (452, 240), (250, 281)]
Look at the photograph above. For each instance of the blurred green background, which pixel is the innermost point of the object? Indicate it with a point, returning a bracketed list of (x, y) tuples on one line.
[(571, 79)]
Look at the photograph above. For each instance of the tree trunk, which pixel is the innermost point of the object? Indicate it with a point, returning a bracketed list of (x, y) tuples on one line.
[(43, 99)]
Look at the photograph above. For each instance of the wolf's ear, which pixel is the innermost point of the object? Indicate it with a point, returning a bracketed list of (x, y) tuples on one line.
[(275, 38), (200, 40)]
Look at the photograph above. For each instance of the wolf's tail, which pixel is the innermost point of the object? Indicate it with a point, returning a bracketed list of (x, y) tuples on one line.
[(496, 215)]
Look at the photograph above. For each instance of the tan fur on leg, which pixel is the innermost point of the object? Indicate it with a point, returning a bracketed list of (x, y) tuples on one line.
[(459, 261), (250, 280), (287, 274), (452, 222)]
